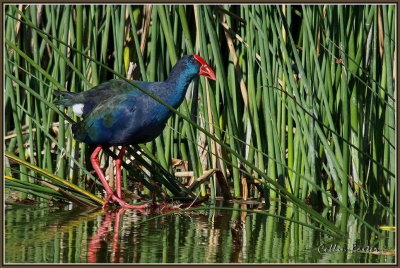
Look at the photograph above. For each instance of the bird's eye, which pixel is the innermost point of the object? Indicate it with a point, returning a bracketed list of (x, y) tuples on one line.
[(194, 61)]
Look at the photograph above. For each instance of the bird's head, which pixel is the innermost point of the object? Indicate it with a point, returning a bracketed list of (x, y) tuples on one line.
[(192, 65)]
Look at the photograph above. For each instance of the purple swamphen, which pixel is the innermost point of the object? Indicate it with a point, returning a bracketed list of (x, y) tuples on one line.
[(116, 113)]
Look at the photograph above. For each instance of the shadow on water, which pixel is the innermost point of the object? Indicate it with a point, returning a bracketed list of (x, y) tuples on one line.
[(51, 235)]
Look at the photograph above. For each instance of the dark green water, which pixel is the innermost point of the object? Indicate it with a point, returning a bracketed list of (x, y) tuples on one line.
[(51, 235)]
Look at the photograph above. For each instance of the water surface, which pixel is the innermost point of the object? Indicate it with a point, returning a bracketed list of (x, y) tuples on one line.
[(67, 235)]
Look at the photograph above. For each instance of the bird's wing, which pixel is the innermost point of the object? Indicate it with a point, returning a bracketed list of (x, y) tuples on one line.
[(89, 100), (105, 118)]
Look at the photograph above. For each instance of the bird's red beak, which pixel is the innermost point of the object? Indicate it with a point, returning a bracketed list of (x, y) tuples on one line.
[(205, 69)]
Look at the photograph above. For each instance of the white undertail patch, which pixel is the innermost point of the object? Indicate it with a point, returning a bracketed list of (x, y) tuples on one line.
[(78, 109)]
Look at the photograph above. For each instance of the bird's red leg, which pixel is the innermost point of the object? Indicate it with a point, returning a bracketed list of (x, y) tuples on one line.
[(118, 197), (118, 164), (110, 196), (96, 165)]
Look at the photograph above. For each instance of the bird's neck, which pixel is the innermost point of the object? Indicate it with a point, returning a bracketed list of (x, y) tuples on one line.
[(178, 83)]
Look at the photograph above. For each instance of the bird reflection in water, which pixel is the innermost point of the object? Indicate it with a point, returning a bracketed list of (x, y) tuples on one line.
[(102, 233), (115, 216)]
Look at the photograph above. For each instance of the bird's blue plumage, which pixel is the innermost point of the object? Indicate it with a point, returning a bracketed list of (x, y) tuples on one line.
[(117, 113)]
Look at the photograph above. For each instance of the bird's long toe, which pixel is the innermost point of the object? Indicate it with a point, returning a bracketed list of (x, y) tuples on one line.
[(124, 204), (140, 207)]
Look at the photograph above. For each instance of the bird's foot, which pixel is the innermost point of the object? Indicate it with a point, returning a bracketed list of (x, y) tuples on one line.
[(114, 198)]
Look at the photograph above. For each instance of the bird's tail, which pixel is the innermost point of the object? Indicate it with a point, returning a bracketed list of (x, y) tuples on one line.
[(65, 98)]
